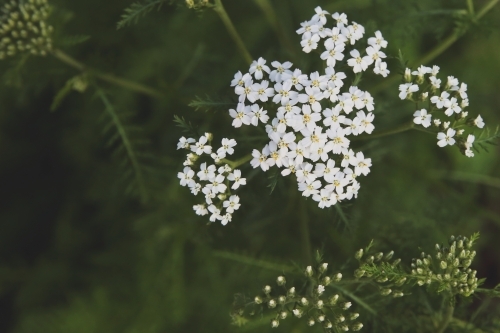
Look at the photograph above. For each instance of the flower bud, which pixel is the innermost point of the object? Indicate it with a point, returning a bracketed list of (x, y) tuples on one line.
[(359, 273), (297, 313), (398, 293), (356, 326), (281, 281), (333, 300), (282, 299), (283, 314), (258, 300), (345, 305), (275, 323), (354, 316), (379, 256), (309, 271), (271, 303), (389, 255), (385, 292), (323, 267), (304, 301), (319, 304), (407, 75), (359, 254), (321, 318), (266, 289), (291, 292), (328, 324), (337, 277), (327, 280), (311, 322), (443, 265)]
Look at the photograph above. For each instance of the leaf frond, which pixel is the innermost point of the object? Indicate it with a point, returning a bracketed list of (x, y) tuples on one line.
[(138, 10)]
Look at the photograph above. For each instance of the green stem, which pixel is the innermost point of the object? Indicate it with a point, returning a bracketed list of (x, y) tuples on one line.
[(237, 163), (446, 315), (438, 50), (219, 9), (470, 6), (110, 78), (390, 131), (304, 234)]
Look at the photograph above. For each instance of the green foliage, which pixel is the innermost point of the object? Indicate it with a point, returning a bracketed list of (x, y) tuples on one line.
[(138, 10), (209, 104)]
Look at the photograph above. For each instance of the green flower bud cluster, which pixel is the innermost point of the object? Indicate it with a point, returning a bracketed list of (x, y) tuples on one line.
[(23, 28), (382, 269), (198, 4), (451, 270), (315, 303)]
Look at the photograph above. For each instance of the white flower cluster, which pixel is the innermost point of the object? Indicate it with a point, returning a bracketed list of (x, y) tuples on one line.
[(449, 99), (211, 181), (307, 138)]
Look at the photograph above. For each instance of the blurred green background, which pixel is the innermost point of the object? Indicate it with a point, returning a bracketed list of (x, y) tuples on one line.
[(81, 253)]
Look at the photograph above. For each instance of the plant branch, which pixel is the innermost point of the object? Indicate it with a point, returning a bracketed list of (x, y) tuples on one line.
[(390, 131), (438, 50), (446, 316), (219, 9), (110, 78), (238, 162)]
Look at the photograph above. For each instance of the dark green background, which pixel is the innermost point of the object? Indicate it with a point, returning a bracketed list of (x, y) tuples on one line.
[(78, 254)]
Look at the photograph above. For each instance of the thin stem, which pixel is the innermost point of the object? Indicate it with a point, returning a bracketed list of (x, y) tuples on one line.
[(219, 9), (390, 131), (237, 163), (304, 234), (438, 50), (110, 78), (470, 7), (446, 315)]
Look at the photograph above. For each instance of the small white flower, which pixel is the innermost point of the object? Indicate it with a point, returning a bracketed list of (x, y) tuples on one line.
[(298, 79), (186, 176), (340, 18), (278, 74), (206, 173), (310, 43), (406, 89), (364, 164), (358, 63), (321, 289), (257, 67), (263, 92), (333, 54), (227, 147), (441, 100), (232, 204), (200, 209), (185, 143), (479, 122), (436, 83), (452, 106), (381, 68), (446, 139), (257, 113), (422, 118), (246, 92), (239, 79), (320, 15), (240, 115), (201, 146), (215, 213), (377, 40), (366, 121), (259, 159), (235, 177)]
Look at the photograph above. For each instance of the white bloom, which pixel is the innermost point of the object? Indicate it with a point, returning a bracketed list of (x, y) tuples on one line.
[(324, 198), (232, 204), (452, 106), (436, 83), (421, 71), (312, 96), (479, 122), (195, 188), (259, 159), (298, 79), (435, 70), (201, 146), (240, 115), (257, 113), (186, 176), (217, 185), (282, 69), (333, 119), (358, 63), (215, 213), (338, 139), (309, 188), (446, 139), (381, 68), (226, 218), (333, 54), (452, 83), (308, 29), (304, 173), (318, 81), (406, 89), (257, 67), (422, 118), (462, 90), (206, 173), (246, 91), (239, 79), (200, 209), (377, 40), (235, 177), (263, 92), (349, 158), (366, 121), (335, 38), (340, 18), (284, 92), (310, 43), (335, 77), (320, 15), (363, 166), (373, 54), (327, 171), (440, 101), (185, 143), (227, 147)]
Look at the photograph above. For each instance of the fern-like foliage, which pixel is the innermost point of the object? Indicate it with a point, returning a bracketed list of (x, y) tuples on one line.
[(186, 126), (209, 104), (138, 10), (128, 146), (487, 137)]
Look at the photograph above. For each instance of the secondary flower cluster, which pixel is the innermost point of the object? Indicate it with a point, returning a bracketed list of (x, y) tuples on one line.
[(443, 99), (311, 117), (448, 270), (318, 306), (23, 28), (212, 181)]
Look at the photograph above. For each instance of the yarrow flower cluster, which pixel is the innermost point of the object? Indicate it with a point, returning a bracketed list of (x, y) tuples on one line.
[(320, 307), (23, 28), (311, 118), (213, 181), (446, 103)]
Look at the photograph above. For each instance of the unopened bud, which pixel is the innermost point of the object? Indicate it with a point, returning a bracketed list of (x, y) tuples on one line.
[(323, 267), (359, 254), (357, 326), (258, 300), (304, 301), (271, 303), (337, 277), (281, 281), (309, 271), (266, 289), (275, 323), (283, 314), (385, 292)]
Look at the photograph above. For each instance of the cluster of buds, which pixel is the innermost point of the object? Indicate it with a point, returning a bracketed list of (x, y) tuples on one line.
[(390, 284), (443, 107), (452, 272), (309, 118), (317, 304), (214, 182), (23, 28), (198, 4)]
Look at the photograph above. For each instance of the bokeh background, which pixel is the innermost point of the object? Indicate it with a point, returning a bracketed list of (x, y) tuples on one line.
[(80, 251)]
